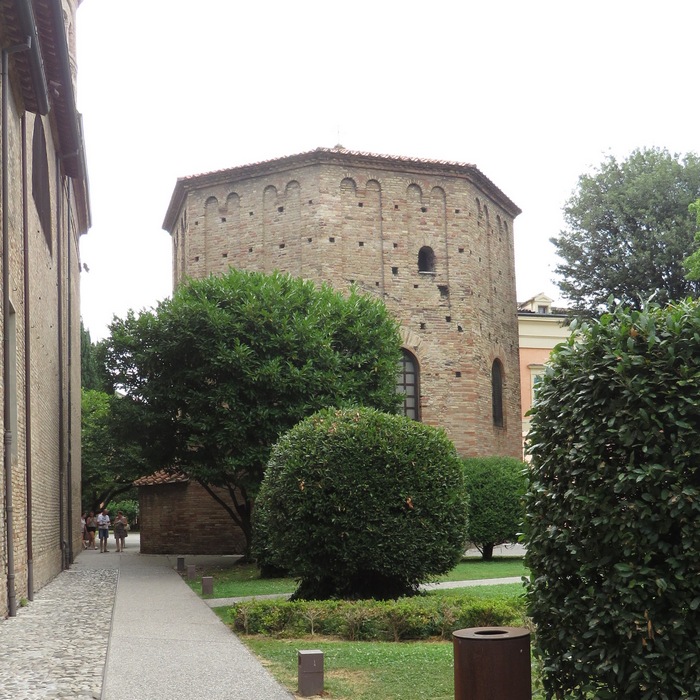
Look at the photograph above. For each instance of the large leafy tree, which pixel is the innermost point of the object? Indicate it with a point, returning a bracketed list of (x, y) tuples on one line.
[(692, 262), (495, 486), (629, 230), (91, 362), (111, 460), (217, 373)]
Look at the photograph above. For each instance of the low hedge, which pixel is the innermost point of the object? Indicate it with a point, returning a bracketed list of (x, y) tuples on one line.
[(372, 620)]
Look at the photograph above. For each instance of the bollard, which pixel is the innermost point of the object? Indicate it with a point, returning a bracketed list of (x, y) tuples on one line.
[(207, 585), (180, 564), (492, 663), (190, 571), (310, 672)]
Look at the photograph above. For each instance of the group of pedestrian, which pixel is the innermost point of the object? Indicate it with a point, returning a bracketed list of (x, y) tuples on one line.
[(101, 524)]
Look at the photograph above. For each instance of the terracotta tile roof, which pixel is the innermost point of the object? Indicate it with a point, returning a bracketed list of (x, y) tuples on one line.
[(336, 150), (333, 155), (161, 477)]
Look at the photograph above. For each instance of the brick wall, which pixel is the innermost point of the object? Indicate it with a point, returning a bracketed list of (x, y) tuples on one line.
[(43, 331), (183, 518), (344, 218)]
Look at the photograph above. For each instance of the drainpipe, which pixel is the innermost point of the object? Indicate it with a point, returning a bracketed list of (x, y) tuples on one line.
[(59, 327), (27, 364), (69, 465), (6, 355)]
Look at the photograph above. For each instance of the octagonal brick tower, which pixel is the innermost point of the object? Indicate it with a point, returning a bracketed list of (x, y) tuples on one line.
[(70, 9), (433, 239)]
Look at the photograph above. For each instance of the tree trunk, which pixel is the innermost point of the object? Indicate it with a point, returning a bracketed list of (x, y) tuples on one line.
[(240, 514), (487, 552)]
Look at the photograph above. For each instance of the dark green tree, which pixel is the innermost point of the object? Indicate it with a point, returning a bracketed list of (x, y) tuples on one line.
[(628, 232), (91, 371), (111, 459), (217, 373), (692, 262), (495, 486), (613, 508), (357, 503)]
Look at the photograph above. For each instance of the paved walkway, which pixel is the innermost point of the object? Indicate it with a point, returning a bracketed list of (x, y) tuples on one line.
[(126, 627)]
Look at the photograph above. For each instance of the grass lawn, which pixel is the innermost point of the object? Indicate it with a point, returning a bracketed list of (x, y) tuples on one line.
[(244, 579), (366, 670), (473, 569), (369, 670), (240, 580), (504, 590)]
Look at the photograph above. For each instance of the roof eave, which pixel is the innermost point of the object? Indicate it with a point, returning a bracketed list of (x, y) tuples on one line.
[(325, 155)]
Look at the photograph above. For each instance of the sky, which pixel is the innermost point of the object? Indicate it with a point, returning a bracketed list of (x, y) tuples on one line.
[(533, 93)]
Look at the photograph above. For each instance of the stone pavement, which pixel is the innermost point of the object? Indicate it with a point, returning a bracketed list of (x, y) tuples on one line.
[(57, 645), (125, 627)]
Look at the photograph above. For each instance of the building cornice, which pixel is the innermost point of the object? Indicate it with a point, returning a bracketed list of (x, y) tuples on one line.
[(341, 157), (45, 82)]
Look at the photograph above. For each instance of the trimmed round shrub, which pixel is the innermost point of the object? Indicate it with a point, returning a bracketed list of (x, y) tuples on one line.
[(613, 508), (495, 486), (357, 503)]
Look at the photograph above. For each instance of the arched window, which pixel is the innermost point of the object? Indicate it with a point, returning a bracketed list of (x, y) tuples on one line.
[(407, 384), (497, 393), (426, 259)]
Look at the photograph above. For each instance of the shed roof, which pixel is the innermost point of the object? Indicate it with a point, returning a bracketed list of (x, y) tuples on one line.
[(161, 477)]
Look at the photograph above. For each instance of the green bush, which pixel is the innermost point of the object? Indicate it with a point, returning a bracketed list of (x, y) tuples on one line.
[(495, 486), (356, 503), (613, 508), (130, 508), (418, 617)]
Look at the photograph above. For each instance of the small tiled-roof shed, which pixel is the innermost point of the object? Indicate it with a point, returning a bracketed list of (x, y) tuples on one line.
[(178, 516)]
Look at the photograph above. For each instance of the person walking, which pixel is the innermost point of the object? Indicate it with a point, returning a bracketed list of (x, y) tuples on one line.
[(103, 529), (84, 531), (91, 523), (120, 525)]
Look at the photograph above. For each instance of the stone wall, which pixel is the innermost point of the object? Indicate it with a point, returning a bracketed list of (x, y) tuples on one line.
[(345, 218)]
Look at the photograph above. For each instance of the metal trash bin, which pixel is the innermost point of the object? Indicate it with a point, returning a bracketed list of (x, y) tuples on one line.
[(492, 663)]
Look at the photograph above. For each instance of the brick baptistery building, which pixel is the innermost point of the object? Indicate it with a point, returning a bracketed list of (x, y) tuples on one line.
[(433, 239)]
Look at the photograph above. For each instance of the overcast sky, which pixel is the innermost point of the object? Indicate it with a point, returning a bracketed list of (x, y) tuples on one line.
[(533, 93)]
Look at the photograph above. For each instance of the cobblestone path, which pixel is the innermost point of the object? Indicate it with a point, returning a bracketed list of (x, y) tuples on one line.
[(56, 647)]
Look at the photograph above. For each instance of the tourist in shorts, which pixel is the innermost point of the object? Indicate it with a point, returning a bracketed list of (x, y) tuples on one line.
[(103, 529)]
